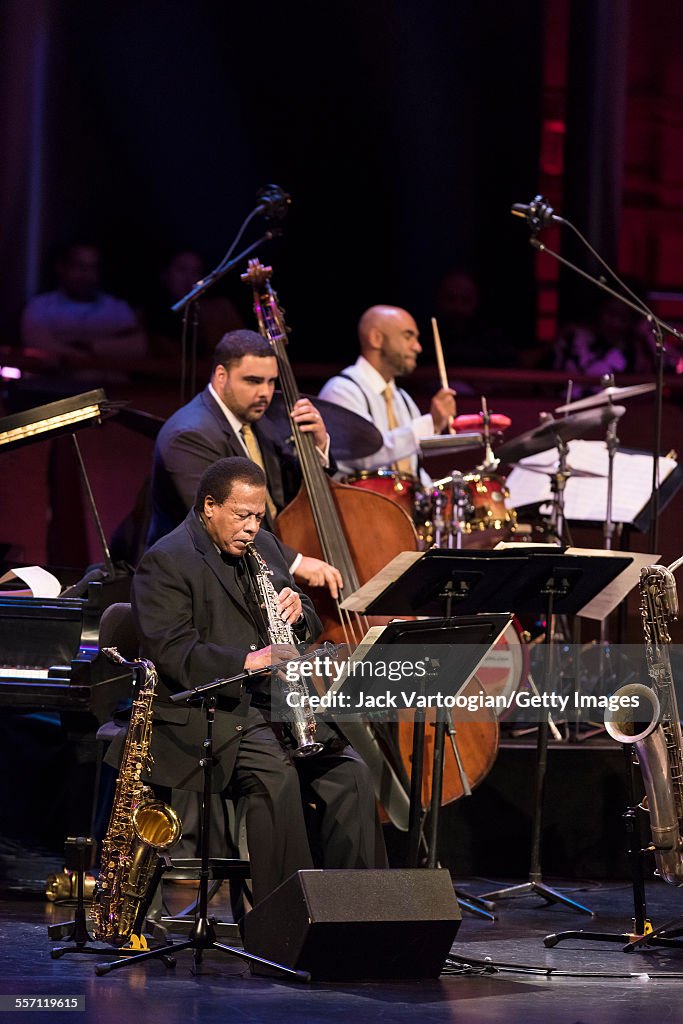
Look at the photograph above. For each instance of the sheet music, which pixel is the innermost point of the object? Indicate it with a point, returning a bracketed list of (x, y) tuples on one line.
[(586, 496), (604, 603), (365, 595), (40, 582)]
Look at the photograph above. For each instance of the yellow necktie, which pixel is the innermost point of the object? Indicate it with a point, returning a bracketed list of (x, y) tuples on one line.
[(251, 444), (401, 465)]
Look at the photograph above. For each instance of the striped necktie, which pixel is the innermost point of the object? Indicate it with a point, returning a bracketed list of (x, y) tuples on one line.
[(252, 446)]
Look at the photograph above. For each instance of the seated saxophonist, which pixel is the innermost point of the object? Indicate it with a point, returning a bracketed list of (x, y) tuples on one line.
[(199, 618)]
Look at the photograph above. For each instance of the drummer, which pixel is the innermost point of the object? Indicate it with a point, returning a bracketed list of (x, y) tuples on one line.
[(389, 347)]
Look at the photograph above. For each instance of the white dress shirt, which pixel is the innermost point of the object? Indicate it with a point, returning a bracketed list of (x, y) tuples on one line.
[(364, 395)]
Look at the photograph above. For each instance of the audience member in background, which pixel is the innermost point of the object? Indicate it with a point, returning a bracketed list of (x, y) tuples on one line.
[(78, 318), (217, 314), (467, 338), (614, 340)]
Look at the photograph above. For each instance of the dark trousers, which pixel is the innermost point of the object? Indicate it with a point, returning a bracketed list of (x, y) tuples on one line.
[(275, 789)]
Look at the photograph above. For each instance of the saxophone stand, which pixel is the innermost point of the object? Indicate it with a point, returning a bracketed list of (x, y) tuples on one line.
[(75, 931), (642, 933), (203, 934)]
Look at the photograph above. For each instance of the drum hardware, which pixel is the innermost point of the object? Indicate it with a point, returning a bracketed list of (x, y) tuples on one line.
[(450, 444)]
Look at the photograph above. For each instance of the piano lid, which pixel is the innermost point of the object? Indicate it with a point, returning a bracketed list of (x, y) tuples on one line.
[(64, 416)]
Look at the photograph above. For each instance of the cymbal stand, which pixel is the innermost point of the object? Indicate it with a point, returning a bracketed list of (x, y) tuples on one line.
[(490, 462), (555, 587), (558, 483)]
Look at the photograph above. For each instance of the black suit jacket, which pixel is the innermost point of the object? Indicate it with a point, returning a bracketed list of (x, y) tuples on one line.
[(195, 626), (190, 441)]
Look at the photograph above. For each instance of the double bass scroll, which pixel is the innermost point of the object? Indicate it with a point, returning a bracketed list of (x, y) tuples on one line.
[(357, 531)]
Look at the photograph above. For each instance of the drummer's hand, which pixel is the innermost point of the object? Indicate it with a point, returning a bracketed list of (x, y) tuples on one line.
[(309, 421), (443, 409), (317, 573)]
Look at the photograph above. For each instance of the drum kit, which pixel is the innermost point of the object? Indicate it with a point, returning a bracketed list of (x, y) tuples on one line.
[(468, 510)]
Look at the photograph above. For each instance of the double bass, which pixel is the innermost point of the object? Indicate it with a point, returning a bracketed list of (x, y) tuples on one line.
[(359, 532)]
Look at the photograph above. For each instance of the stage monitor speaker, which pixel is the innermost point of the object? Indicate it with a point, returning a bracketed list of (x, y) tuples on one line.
[(342, 925)]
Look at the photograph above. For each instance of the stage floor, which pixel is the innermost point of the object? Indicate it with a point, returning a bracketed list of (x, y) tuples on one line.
[(577, 982)]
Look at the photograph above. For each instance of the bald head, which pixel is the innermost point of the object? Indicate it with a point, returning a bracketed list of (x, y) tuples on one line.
[(388, 337)]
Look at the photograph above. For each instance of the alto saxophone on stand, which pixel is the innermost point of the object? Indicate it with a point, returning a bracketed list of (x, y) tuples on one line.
[(300, 717), (659, 745), (140, 827)]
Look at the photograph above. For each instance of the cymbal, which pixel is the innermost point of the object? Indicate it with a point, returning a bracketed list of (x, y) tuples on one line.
[(476, 422), (351, 436), (608, 395), (570, 428), (450, 444)]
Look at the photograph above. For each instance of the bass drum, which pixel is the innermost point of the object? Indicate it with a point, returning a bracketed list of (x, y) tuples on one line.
[(400, 487), (505, 669)]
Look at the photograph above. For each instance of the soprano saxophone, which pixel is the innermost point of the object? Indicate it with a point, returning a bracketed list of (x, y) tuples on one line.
[(300, 717), (659, 744), (140, 827)]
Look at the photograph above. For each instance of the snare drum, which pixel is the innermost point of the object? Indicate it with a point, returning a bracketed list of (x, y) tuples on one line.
[(400, 487), (505, 669)]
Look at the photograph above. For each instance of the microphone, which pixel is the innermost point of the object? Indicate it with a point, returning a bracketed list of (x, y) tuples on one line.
[(538, 213), (273, 202)]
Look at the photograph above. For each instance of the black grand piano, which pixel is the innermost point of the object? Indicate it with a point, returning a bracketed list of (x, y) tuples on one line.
[(49, 649), (51, 661), (50, 657)]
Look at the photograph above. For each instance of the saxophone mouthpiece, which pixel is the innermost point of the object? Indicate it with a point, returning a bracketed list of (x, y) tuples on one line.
[(113, 654)]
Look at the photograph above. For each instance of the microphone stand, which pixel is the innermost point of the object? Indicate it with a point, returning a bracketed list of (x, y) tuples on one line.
[(538, 214), (190, 309)]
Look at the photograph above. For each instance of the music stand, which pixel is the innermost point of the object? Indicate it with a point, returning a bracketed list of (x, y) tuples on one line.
[(203, 934), (461, 644), (536, 581)]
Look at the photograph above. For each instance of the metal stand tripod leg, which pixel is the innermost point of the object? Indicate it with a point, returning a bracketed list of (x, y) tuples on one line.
[(76, 931), (535, 885), (203, 934), (472, 904)]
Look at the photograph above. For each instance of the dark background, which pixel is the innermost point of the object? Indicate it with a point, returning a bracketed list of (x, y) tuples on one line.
[(403, 131)]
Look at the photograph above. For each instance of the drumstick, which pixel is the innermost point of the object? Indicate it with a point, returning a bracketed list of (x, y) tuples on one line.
[(439, 354), (438, 348)]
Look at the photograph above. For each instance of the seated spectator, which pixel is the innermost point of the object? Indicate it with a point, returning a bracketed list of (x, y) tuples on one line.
[(78, 317), (217, 314), (615, 339)]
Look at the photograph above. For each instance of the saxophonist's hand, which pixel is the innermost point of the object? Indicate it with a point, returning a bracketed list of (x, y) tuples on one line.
[(273, 654), (289, 605)]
